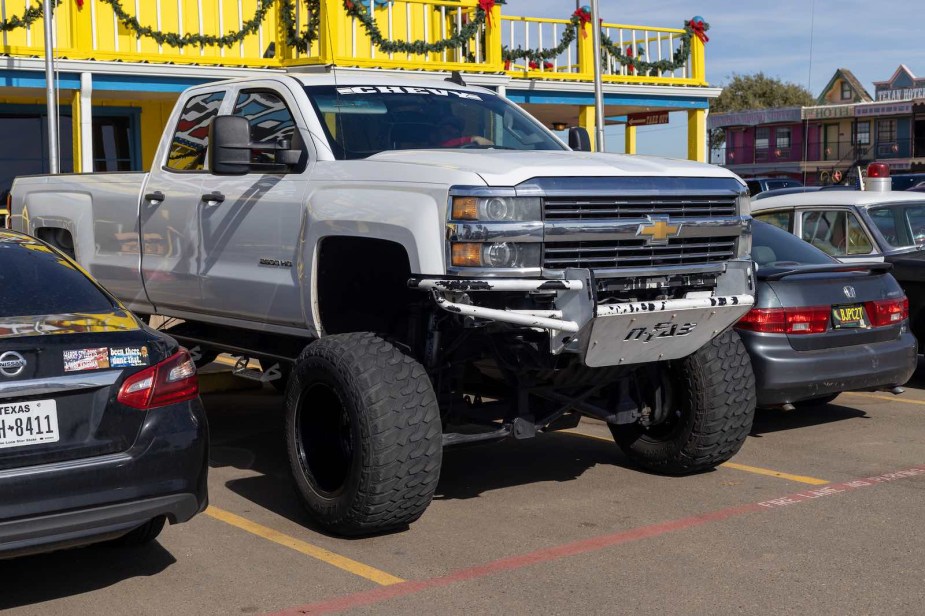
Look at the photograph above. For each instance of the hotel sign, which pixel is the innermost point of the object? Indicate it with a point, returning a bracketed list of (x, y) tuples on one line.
[(828, 112), (900, 94), (789, 115)]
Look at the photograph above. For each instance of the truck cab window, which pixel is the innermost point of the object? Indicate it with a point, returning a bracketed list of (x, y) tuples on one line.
[(191, 137), (270, 121)]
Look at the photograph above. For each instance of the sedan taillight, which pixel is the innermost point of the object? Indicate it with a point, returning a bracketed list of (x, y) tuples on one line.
[(807, 320), (887, 311), (173, 380)]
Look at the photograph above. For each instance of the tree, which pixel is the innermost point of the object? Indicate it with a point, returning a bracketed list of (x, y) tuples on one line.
[(758, 91)]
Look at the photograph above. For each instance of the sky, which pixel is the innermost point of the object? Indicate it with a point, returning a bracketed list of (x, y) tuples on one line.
[(792, 40)]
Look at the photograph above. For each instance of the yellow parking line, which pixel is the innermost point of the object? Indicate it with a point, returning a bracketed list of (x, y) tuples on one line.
[(341, 562), (889, 398), (770, 473), (739, 467)]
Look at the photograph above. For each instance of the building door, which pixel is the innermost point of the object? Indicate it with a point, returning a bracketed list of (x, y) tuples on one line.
[(918, 144), (830, 142)]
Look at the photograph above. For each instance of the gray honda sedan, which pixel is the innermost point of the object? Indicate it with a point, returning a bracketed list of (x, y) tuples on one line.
[(102, 432), (820, 327)]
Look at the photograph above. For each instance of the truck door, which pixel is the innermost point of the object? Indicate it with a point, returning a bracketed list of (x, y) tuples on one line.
[(169, 209), (250, 224)]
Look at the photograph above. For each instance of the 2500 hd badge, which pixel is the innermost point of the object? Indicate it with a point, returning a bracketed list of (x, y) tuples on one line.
[(660, 330)]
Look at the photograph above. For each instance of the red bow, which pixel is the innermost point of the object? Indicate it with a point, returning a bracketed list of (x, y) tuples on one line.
[(584, 17), (487, 6), (699, 30), (348, 4), (80, 4)]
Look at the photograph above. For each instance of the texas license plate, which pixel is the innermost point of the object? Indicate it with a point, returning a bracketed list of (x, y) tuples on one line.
[(848, 316), (28, 423)]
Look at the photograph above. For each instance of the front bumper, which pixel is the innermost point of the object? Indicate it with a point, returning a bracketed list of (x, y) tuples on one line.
[(783, 375), (79, 502), (604, 334)]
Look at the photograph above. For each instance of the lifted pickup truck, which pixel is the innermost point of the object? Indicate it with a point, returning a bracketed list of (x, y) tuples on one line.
[(423, 264)]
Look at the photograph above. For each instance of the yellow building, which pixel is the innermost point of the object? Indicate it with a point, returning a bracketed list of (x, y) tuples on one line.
[(120, 65)]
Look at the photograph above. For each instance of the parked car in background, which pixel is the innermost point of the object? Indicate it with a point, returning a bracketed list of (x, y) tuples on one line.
[(102, 432), (861, 227), (906, 181), (777, 192), (758, 185), (820, 327)]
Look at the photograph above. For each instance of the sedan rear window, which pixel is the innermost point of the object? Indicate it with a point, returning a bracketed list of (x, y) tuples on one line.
[(772, 246), (35, 281)]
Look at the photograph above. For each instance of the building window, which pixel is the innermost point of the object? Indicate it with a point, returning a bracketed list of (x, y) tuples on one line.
[(762, 135), (862, 136), (112, 144), (782, 140), (886, 131), (845, 91)]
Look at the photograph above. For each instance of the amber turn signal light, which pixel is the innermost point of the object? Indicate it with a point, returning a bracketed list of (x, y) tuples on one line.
[(465, 208), (467, 254)]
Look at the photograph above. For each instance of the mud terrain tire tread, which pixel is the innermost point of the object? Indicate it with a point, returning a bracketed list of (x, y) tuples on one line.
[(717, 386), (399, 447)]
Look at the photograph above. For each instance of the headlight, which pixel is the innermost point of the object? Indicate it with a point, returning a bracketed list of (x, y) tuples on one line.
[(496, 254), (497, 209), (745, 205)]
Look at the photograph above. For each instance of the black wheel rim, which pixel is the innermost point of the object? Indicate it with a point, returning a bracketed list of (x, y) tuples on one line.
[(325, 439)]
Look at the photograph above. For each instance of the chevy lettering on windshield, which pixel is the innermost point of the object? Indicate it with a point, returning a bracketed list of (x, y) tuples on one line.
[(407, 90)]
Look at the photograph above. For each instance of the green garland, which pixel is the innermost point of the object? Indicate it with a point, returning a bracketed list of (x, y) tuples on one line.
[(300, 41), (539, 55), (32, 13), (180, 41), (456, 40), (678, 58)]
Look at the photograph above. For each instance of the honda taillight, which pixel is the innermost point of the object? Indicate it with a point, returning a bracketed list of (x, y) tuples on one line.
[(808, 320), (887, 311), (172, 380)]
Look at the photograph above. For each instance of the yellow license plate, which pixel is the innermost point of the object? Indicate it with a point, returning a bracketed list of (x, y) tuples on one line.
[(849, 315)]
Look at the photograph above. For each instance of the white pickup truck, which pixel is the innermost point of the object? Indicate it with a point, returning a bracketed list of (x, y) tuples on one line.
[(422, 264)]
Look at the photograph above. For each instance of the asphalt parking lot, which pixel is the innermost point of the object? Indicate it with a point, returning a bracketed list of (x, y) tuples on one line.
[(819, 513)]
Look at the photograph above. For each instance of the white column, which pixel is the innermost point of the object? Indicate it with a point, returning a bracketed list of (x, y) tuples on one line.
[(86, 122)]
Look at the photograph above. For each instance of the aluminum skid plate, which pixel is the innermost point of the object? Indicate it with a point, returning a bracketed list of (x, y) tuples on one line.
[(639, 332)]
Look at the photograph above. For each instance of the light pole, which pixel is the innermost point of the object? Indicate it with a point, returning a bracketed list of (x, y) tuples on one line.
[(598, 84), (50, 90)]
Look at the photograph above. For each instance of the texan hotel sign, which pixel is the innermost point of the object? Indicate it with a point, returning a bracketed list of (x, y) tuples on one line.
[(901, 94)]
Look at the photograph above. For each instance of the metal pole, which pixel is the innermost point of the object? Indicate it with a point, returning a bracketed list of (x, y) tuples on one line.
[(598, 84), (50, 90)]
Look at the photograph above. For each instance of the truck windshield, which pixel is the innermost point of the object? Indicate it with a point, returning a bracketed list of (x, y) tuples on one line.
[(364, 120), (901, 224)]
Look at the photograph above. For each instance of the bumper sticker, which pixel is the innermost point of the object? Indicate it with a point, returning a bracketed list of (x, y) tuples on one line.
[(127, 357), (86, 359)]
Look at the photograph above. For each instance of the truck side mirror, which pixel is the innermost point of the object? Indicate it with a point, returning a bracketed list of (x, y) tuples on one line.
[(229, 145), (578, 139)]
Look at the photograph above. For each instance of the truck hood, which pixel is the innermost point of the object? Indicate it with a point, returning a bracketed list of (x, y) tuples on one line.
[(510, 168)]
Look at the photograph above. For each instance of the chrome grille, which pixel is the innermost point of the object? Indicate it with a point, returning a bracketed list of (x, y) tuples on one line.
[(635, 253), (602, 208)]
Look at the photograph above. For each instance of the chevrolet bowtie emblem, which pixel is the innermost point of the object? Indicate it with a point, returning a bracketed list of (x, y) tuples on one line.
[(658, 230)]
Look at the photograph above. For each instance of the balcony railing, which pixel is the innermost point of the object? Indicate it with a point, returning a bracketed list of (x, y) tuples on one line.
[(402, 34)]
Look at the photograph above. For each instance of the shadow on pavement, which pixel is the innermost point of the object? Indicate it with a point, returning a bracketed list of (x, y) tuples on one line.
[(32, 580), (247, 433), (775, 420)]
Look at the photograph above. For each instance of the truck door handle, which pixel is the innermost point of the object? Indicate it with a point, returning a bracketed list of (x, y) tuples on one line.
[(155, 197), (213, 198)]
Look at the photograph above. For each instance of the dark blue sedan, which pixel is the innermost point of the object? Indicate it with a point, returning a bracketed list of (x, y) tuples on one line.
[(102, 432), (820, 327)]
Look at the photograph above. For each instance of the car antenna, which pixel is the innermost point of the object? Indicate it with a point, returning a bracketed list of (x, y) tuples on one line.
[(456, 77)]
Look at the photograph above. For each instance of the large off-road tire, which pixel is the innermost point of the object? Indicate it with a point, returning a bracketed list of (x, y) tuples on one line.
[(363, 434), (713, 394)]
